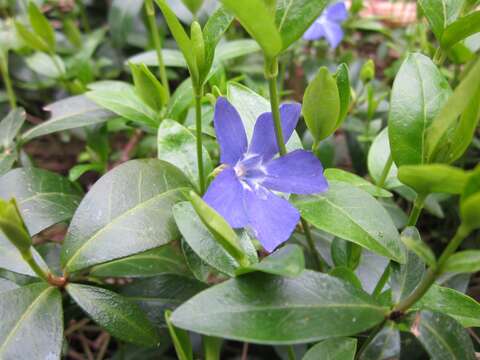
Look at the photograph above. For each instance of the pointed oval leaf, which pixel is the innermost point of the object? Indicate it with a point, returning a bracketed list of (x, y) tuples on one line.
[(378, 156), (130, 207), (412, 240), (10, 126), (405, 277), (385, 345), (119, 316), (32, 323), (461, 29), (440, 14), (12, 260), (121, 19), (333, 349), (41, 26), (355, 180), (369, 225), (467, 261), (307, 308)]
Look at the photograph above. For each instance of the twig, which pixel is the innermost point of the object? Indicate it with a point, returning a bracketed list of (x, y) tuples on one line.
[(103, 349), (76, 326), (86, 346), (244, 351)]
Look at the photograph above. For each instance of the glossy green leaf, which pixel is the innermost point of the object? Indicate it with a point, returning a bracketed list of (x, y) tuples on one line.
[(452, 302), (13, 227), (333, 349), (51, 66), (461, 29), (125, 102), (164, 259), (385, 345), (31, 39), (259, 21), (32, 323), (467, 261), (41, 26), (377, 158), (156, 294), (119, 316), (440, 14), (412, 240), (199, 268), (343, 84), (441, 336), (176, 144), (337, 212), (7, 285), (404, 278), (345, 253), (180, 339), (69, 113), (10, 126), (294, 17), (321, 116), (193, 5), (357, 181), (202, 240), (121, 19), (307, 308), (469, 210), (346, 274), (44, 198), (7, 160), (148, 88), (78, 170), (287, 261), (442, 130), (433, 178), (171, 58), (129, 206), (419, 93)]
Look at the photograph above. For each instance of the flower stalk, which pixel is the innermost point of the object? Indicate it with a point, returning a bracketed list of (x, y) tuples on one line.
[(416, 210), (198, 133), (12, 99)]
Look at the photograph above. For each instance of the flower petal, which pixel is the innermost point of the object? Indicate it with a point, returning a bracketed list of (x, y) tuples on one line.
[(314, 32), (337, 12), (298, 172), (333, 33), (225, 194), (264, 141), (271, 218), (230, 132)]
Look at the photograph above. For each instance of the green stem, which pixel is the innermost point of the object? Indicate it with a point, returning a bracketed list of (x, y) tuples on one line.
[(433, 272), (439, 56), (370, 338), (416, 210), (198, 127), (382, 281), (319, 263), (291, 353), (152, 23), (28, 257), (385, 172), (12, 99), (83, 16)]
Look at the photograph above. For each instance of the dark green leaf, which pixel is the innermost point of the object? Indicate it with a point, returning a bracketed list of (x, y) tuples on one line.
[(44, 198), (121, 19), (130, 206), (199, 268), (119, 316), (467, 261), (413, 241), (32, 323), (385, 345), (333, 349), (461, 29), (345, 253), (419, 93), (343, 84), (405, 277), (440, 14), (307, 308), (10, 126), (148, 88), (337, 212), (357, 181), (346, 274)]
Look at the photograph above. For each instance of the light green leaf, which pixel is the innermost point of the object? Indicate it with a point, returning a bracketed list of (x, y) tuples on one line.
[(148, 88), (41, 26), (441, 13), (357, 181), (412, 240), (121, 18), (10, 126), (377, 158), (333, 349), (385, 345), (461, 29), (51, 66), (467, 261)]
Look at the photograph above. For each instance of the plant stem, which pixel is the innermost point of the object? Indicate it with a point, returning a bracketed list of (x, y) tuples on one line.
[(28, 257), (433, 272), (385, 172), (7, 81), (291, 353), (439, 56), (416, 210), (198, 128), (152, 23), (311, 244), (382, 281)]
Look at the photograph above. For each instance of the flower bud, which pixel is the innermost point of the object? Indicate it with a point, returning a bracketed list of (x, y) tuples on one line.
[(196, 35), (12, 225), (368, 71)]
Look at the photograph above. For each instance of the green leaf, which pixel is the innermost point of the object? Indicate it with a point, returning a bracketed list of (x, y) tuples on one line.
[(156, 294), (439, 135), (193, 5), (125, 102), (171, 58), (44, 198), (32, 323), (69, 113), (377, 158), (385, 345), (333, 349), (433, 178), (119, 316), (405, 277), (258, 20), (343, 84), (250, 106), (78, 170), (467, 261), (148, 88), (419, 93), (321, 105), (337, 212), (469, 210), (176, 144), (180, 339), (412, 240), (10, 126), (346, 274), (7, 160), (180, 101), (31, 39), (307, 308), (440, 14), (7, 285), (202, 240), (461, 29), (441, 336), (129, 206), (461, 307), (13, 227), (287, 261), (51, 66), (345, 253), (294, 17), (41, 26), (199, 268), (164, 259), (121, 19), (357, 181)]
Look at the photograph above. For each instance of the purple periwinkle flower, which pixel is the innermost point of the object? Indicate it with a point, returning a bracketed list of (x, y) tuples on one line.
[(242, 192), (328, 25)]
